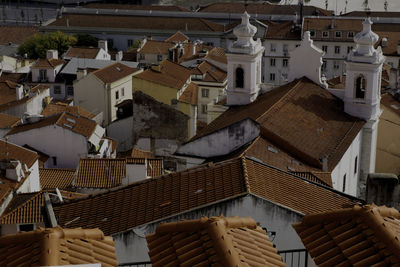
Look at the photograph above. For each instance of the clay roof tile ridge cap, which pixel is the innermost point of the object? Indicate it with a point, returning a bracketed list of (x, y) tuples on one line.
[(245, 173)]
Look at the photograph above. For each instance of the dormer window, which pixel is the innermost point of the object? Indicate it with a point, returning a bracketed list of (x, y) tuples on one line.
[(239, 77), (360, 87)]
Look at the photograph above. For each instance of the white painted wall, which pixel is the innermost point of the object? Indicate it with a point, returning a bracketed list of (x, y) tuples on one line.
[(32, 106), (50, 73), (123, 85), (67, 146)]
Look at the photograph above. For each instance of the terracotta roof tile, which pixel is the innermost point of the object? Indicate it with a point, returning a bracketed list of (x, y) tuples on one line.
[(136, 7), (47, 63), (68, 247), (7, 92), (217, 54), (83, 52), (11, 151), (16, 34), (212, 241), (392, 40), (77, 124), (300, 117), (55, 108), (13, 77), (133, 205), (283, 30), (100, 173), (389, 101), (139, 153), (8, 121), (190, 94), (156, 47), (138, 22), (56, 178), (177, 37), (27, 207), (114, 72), (358, 236)]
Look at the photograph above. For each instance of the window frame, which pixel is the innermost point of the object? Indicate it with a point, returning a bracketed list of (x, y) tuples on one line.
[(205, 93), (325, 34), (337, 49)]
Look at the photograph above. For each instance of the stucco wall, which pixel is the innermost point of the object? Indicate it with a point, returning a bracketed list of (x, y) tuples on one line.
[(122, 131)]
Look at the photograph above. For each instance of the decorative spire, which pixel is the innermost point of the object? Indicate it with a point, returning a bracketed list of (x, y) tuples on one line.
[(244, 32)]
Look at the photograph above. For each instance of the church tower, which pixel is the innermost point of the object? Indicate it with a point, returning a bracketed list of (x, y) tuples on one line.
[(363, 94), (244, 65)]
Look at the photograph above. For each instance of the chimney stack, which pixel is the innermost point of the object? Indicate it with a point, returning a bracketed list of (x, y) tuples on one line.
[(119, 56), (52, 54), (19, 91), (103, 44)]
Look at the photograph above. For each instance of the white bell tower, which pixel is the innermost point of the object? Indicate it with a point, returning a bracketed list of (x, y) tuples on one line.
[(363, 94), (244, 65)]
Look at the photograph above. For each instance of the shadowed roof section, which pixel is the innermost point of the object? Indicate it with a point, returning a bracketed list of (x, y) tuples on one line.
[(358, 236), (57, 246), (154, 199), (300, 117), (114, 72), (215, 241)]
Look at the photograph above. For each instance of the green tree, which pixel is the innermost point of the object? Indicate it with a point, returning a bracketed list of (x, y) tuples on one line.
[(86, 40), (37, 45), (136, 44)]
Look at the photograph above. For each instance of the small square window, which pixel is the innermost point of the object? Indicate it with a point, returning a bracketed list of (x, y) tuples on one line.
[(350, 34), (70, 90), (204, 109), (141, 56), (273, 47), (325, 34), (130, 42), (116, 95), (26, 227), (205, 92), (57, 89), (324, 65), (123, 91), (349, 48), (338, 34), (335, 65)]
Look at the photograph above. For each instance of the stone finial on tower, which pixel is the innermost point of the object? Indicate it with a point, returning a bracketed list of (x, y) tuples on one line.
[(244, 33)]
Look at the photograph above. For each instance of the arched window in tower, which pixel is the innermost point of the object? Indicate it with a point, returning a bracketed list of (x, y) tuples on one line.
[(360, 86), (239, 77)]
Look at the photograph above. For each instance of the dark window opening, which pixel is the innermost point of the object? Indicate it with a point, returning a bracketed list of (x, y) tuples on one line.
[(355, 165), (360, 87), (26, 227), (239, 78), (55, 161), (344, 183)]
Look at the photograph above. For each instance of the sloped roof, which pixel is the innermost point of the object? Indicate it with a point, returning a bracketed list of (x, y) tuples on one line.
[(283, 30), (27, 207), (190, 94), (138, 22), (47, 63), (136, 7), (114, 72), (156, 47), (11, 151), (139, 153), (56, 178), (83, 52), (58, 107), (212, 241), (301, 117), (358, 236), (217, 54), (390, 102), (77, 124), (100, 173), (16, 34), (177, 37), (8, 121), (212, 73), (68, 247), (7, 92), (392, 40), (154, 199)]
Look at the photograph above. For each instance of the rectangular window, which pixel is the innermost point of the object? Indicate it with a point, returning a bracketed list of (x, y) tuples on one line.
[(204, 109), (123, 91), (272, 62), (344, 183), (355, 165), (349, 48), (272, 76), (285, 62), (70, 90), (335, 65), (325, 48), (324, 65), (130, 42), (338, 34), (42, 75), (205, 92), (350, 34), (110, 43), (55, 161), (325, 34), (57, 89), (116, 95), (285, 50), (337, 49), (273, 47), (26, 227), (159, 57)]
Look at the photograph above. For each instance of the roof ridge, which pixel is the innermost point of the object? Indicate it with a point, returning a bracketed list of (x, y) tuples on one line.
[(245, 173), (35, 194)]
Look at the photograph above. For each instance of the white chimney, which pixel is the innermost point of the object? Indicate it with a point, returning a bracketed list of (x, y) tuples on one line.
[(14, 171), (52, 54), (194, 48), (19, 91), (119, 55), (80, 73), (103, 44)]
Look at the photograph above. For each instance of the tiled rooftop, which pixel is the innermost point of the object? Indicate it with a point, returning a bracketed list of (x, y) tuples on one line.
[(47, 63), (136, 7), (77, 124), (16, 34), (212, 73), (56, 178), (58, 107), (156, 47), (215, 241), (390, 102), (154, 199), (57, 246), (282, 30), (358, 236), (83, 52), (100, 173), (190, 94), (114, 72), (177, 37), (139, 153), (7, 92), (11, 151), (8, 121), (154, 166), (300, 117), (392, 39), (217, 54)]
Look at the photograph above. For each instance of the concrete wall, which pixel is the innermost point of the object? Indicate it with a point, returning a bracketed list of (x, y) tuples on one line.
[(131, 246)]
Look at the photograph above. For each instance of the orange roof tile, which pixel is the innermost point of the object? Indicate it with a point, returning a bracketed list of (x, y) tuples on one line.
[(358, 236), (300, 117), (7, 92), (136, 7), (212, 73), (215, 241), (217, 54), (11, 151), (47, 63), (283, 30), (16, 34), (27, 207), (57, 246), (156, 47), (136, 204), (77, 124), (139, 153), (190, 94), (392, 40), (138, 22), (100, 173), (8, 121), (55, 108), (177, 37), (83, 52), (56, 178), (114, 72)]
